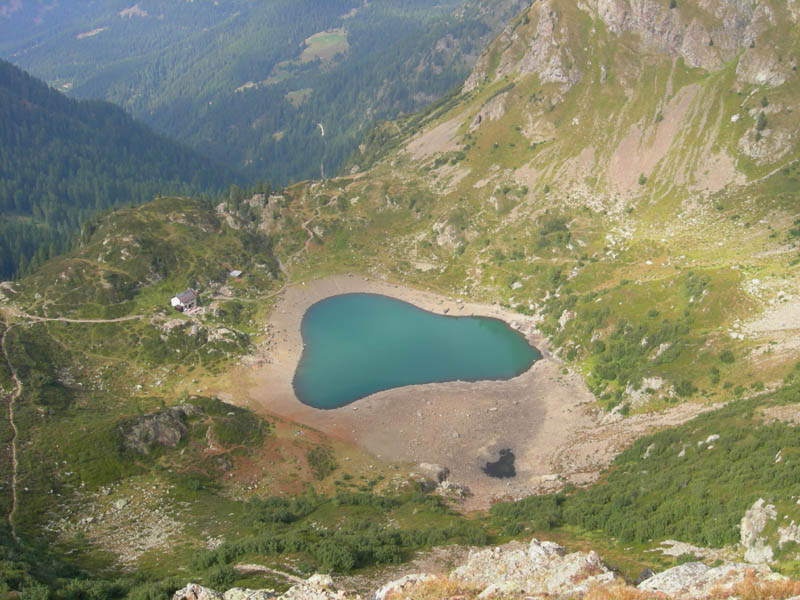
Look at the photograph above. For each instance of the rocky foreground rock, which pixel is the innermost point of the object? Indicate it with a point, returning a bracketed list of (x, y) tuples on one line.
[(536, 570)]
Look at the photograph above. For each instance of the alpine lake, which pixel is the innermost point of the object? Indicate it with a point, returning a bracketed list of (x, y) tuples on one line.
[(359, 344)]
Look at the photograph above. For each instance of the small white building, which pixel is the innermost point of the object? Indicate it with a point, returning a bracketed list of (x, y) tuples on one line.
[(236, 273), (186, 300)]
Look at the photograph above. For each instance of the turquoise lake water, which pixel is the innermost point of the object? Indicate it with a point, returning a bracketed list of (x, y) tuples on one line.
[(359, 344)]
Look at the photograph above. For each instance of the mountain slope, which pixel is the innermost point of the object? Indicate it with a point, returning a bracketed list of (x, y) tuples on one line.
[(639, 196), (606, 170), (62, 160), (247, 82)]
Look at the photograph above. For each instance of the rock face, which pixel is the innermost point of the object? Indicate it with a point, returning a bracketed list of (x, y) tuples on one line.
[(708, 42), (758, 67), (553, 62), (716, 32), (166, 428), (696, 580), (543, 568), (750, 529)]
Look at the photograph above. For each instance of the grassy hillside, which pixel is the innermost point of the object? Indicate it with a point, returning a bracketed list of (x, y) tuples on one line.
[(642, 208)]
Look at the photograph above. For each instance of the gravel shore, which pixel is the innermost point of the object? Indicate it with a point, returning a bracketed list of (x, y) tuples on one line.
[(460, 425)]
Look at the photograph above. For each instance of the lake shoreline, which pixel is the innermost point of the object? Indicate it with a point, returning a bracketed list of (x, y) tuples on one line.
[(461, 425), (444, 348)]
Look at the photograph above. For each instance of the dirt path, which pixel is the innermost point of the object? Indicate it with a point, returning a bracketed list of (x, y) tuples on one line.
[(22, 315), (15, 436)]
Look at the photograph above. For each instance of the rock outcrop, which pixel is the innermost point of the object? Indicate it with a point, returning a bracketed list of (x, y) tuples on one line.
[(543, 568), (538, 569), (165, 428), (316, 587), (436, 472), (728, 27), (398, 586), (697, 580), (193, 591), (750, 532)]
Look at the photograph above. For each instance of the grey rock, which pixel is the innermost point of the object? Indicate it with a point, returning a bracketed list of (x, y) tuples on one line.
[(434, 471), (245, 594), (398, 585), (165, 428), (696, 580), (543, 568), (675, 580), (316, 587), (789, 533), (193, 591), (643, 576), (750, 529)]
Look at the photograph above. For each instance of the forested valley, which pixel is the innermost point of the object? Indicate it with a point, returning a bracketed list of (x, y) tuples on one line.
[(63, 160), (249, 83)]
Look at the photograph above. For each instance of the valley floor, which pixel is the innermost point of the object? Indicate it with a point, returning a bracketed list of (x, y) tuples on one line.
[(545, 415)]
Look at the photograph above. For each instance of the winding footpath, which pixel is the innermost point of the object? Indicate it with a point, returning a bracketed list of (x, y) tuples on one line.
[(18, 313), (15, 434)]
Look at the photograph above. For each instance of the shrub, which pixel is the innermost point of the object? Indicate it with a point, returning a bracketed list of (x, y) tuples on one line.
[(321, 461), (221, 577), (685, 388)]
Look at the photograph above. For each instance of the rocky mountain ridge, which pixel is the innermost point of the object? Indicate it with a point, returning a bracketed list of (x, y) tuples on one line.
[(540, 569)]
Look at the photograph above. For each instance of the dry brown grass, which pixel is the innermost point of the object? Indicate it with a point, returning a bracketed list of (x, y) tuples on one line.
[(752, 588), (619, 591), (442, 588)]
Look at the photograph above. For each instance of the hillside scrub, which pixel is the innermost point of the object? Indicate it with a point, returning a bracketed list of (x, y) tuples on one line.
[(682, 483)]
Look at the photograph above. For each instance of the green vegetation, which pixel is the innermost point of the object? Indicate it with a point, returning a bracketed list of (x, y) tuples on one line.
[(63, 161), (683, 483), (647, 290), (321, 461), (219, 76)]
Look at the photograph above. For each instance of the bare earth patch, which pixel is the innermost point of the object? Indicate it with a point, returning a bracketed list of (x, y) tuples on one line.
[(789, 414), (441, 138), (640, 150)]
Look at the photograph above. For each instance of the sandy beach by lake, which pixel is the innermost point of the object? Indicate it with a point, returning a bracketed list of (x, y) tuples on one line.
[(544, 415)]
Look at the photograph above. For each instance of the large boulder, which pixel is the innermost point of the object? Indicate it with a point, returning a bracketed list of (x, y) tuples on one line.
[(193, 591), (697, 580), (543, 568)]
